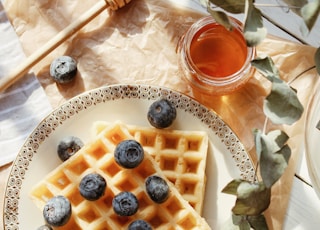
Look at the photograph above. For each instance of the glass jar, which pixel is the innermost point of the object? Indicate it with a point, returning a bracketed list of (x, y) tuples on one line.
[(214, 60)]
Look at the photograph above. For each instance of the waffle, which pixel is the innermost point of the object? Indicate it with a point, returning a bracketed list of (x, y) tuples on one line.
[(97, 156), (181, 155)]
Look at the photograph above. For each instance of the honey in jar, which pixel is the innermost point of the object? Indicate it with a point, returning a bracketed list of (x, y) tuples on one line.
[(214, 60)]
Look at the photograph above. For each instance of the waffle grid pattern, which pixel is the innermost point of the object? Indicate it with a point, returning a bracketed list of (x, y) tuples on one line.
[(97, 156), (181, 155)]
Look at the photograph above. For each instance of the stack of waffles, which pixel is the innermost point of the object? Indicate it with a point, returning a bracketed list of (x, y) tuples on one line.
[(175, 155)]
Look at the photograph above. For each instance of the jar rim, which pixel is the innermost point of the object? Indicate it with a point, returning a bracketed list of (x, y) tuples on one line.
[(208, 79)]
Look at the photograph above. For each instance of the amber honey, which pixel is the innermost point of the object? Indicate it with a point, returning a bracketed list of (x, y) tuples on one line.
[(218, 52), (214, 60)]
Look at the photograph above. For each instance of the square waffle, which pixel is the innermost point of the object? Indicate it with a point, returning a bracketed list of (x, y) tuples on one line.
[(181, 155), (97, 156)]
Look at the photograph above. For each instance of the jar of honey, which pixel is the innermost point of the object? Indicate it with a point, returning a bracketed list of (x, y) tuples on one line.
[(213, 59)]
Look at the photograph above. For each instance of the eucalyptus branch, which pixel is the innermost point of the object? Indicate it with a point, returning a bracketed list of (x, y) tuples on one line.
[(212, 6), (280, 107), (265, 125), (256, 171), (276, 5)]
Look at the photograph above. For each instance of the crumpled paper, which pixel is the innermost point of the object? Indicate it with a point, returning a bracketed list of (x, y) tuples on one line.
[(134, 44), (137, 44)]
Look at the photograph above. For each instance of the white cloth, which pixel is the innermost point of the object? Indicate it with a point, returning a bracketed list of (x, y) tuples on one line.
[(23, 105)]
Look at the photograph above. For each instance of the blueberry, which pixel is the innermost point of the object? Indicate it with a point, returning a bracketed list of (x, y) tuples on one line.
[(139, 225), (161, 114), (63, 69), (57, 211), (45, 227), (125, 204), (92, 186), (68, 146), (157, 189), (129, 154)]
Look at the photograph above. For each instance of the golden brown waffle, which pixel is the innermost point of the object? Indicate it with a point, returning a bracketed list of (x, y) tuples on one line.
[(181, 156), (97, 156)]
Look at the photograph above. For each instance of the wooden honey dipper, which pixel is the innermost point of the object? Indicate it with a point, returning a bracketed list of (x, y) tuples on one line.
[(58, 39)]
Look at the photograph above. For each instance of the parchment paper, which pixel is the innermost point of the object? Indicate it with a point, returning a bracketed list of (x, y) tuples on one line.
[(137, 44)]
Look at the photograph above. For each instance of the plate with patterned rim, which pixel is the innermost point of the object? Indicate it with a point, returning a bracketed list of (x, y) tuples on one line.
[(227, 158)]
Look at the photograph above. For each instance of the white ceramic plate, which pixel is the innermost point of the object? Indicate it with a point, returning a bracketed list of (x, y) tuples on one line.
[(227, 158), (312, 138)]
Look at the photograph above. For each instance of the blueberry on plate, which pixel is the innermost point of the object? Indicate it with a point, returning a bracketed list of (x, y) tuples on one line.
[(92, 186), (129, 154), (45, 227), (125, 204), (161, 114), (57, 211), (157, 189), (68, 146), (139, 225), (63, 69)]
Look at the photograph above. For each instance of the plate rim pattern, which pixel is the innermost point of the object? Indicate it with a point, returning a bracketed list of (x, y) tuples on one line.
[(104, 94)]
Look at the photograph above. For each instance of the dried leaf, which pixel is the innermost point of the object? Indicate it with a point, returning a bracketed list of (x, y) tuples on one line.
[(244, 225), (296, 5), (318, 125), (282, 105), (278, 138), (310, 13), (258, 222), (257, 140), (232, 187), (204, 3), (231, 6), (221, 18), (272, 164), (254, 31), (236, 219), (266, 67), (252, 199), (317, 60), (241, 221)]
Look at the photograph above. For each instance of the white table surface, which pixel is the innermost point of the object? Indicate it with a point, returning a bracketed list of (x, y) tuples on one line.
[(304, 206)]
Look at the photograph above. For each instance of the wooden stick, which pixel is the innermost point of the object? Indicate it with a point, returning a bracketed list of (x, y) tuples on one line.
[(53, 43)]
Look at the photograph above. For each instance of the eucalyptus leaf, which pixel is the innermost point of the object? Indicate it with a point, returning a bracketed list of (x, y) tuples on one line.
[(254, 31), (317, 60), (237, 219), (272, 164), (221, 18), (258, 222), (276, 140), (231, 6), (204, 3), (310, 13), (241, 221), (266, 67), (252, 199), (279, 138), (257, 141), (232, 187), (244, 225), (282, 105), (286, 153), (296, 5), (318, 125)]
